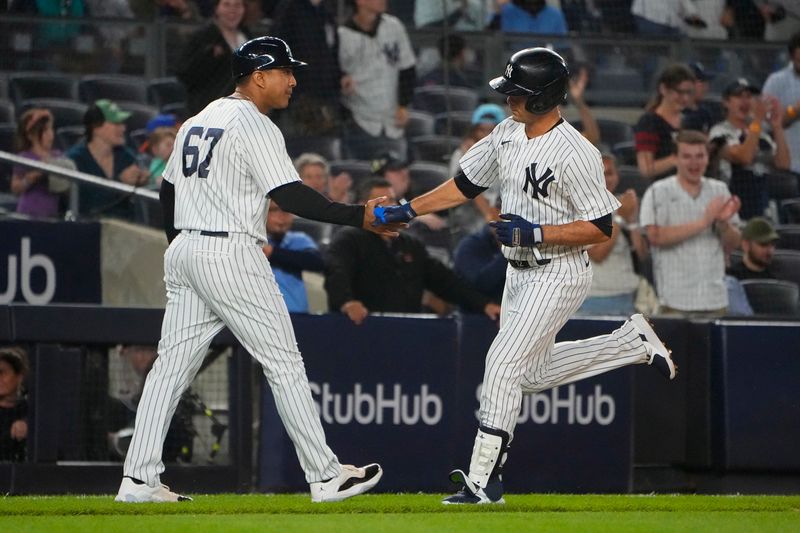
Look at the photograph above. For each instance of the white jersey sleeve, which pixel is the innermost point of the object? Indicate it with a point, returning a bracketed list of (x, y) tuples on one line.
[(586, 185), (407, 59), (480, 163), (647, 210), (264, 151)]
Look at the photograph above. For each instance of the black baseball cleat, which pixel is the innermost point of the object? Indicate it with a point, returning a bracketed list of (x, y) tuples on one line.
[(660, 355), (470, 493), (351, 482)]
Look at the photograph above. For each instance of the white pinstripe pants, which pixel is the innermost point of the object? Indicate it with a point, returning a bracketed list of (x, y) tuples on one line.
[(524, 357), (214, 282)]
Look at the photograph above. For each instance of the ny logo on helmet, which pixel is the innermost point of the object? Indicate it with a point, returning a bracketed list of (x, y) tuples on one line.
[(509, 68), (539, 185)]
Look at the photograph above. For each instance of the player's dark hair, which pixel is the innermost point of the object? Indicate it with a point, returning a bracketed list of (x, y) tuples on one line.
[(793, 44), (365, 188), (670, 77)]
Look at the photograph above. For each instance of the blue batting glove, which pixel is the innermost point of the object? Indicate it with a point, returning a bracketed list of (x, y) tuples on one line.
[(513, 230), (393, 213)]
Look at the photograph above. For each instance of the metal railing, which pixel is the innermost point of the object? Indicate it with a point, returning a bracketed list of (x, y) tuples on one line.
[(80, 179)]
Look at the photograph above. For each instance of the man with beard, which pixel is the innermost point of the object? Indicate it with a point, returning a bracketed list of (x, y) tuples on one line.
[(758, 244)]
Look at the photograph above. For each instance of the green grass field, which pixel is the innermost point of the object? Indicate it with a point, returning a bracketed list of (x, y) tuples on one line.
[(405, 513)]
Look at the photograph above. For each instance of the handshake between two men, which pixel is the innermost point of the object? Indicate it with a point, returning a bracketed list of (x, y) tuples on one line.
[(511, 230)]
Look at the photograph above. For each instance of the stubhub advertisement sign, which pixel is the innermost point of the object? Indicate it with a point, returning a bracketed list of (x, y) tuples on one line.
[(405, 393), (48, 262)]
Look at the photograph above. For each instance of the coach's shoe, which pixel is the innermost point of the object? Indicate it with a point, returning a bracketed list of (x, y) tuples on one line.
[(470, 493), (351, 482), (135, 491), (660, 355)]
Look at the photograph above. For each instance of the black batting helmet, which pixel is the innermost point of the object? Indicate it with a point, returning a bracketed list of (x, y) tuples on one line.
[(263, 53), (538, 73)]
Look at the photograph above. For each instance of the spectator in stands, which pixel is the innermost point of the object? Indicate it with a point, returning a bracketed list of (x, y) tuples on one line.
[(459, 15), (103, 153), (290, 253), (691, 222), (785, 86), (112, 35), (615, 261), (712, 13), (452, 69), (472, 216), (744, 20), (205, 66), (582, 16), (664, 17), (781, 18), (367, 274), (479, 259), (577, 87), (315, 172), (655, 131), (758, 245), (160, 144), (310, 29), (378, 62), (701, 113), (186, 10), (747, 152), (39, 193), (528, 16), (13, 405)]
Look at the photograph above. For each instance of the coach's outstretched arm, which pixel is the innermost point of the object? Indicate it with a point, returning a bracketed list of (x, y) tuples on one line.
[(305, 202)]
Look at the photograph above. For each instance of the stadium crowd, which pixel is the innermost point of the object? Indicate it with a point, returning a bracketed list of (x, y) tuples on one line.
[(372, 114)]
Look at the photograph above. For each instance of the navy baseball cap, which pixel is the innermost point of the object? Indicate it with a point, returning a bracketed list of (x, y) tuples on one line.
[(700, 71), (738, 86), (388, 162)]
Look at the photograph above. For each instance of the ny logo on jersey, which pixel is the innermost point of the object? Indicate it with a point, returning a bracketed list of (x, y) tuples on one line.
[(392, 53), (539, 185)]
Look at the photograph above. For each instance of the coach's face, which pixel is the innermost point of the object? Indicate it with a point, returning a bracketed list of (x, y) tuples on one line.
[(692, 161), (276, 86)]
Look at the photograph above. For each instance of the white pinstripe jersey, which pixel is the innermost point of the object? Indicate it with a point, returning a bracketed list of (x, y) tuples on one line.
[(226, 159), (552, 179)]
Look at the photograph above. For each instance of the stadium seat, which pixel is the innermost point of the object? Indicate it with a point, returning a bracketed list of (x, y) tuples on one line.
[(69, 136), (612, 132), (625, 153), (116, 88), (426, 176), (328, 147), (790, 211), (772, 297), (440, 98), (65, 112), (7, 111), (782, 185), (26, 86), (178, 109), (165, 91), (786, 265), (141, 114), (419, 123), (434, 148), (460, 122), (630, 178), (789, 236), (359, 170), (617, 87)]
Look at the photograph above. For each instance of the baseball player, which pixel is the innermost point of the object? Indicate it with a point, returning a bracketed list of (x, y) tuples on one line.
[(553, 190), (227, 160)]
